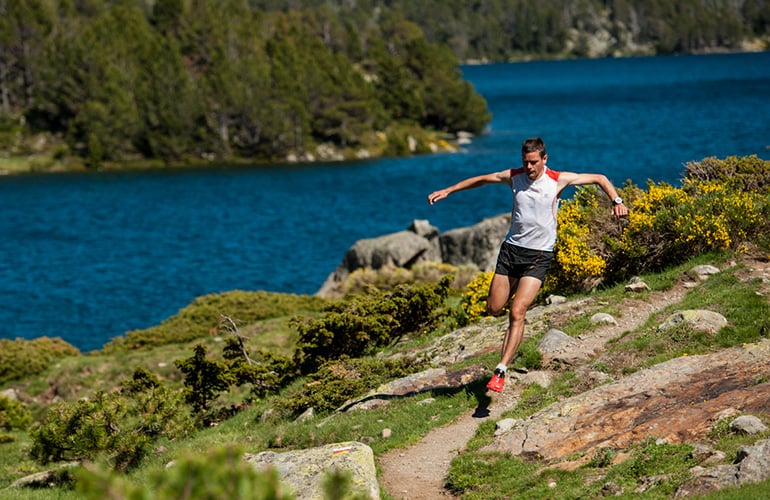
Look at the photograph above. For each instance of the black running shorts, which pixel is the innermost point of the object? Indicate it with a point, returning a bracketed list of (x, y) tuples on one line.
[(516, 262)]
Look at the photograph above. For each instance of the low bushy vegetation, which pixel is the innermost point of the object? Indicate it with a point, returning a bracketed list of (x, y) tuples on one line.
[(20, 358), (14, 414), (359, 324), (122, 426), (722, 205), (119, 426), (220, 473), (340, 380), (203, 317)]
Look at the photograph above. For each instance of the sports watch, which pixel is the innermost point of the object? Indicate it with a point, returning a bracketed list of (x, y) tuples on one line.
[(617, 201)]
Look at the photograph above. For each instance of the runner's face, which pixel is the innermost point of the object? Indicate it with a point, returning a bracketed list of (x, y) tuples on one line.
[(534, 164)]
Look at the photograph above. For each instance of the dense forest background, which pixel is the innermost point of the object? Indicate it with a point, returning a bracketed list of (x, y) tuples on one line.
[(181, 80), (504, 30)]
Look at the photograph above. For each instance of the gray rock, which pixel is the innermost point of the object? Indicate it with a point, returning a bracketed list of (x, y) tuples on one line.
[(753, 462), (637, 285), (420, 243), (424, 228), (10, 394), (752, 466), (306, 415), (603, 319), (43, 479), (555, 299), (702, 272), (303, 471), (504, 425), (477, 245), (416, 383), (399, 249), (554, 341), (541, 378), (748, 424), (700, 320), (706, 455)]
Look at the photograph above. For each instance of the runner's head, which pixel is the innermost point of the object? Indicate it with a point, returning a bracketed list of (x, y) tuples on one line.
[(533, 157), (532, 145)]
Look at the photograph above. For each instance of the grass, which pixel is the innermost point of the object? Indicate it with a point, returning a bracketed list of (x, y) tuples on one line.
[(747, 313)]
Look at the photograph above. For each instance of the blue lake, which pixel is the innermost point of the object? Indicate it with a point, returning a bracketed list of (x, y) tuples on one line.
[(89, 257)]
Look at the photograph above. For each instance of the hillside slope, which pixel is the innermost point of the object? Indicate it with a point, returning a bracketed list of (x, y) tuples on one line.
[(678, 400)]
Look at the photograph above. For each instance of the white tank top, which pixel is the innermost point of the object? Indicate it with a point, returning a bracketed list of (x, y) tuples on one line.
[(533, 219)]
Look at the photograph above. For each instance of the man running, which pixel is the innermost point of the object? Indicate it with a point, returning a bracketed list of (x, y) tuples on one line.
[(527, 252)]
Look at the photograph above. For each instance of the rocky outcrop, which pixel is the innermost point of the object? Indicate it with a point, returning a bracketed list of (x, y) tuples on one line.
[(678, 400), (752, 465), (475, 245), (304, 471), (428, 380)]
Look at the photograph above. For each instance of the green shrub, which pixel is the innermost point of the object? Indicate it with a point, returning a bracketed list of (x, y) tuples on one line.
[(359, 324), (580, 263), (338, 381), (669, 225), (736, 173), (264, 372), (80, 430), (387, 278), (111, 425), (141, 380), (14, 414), (20, 358), (218, 474), (722, 205), (204, 379)]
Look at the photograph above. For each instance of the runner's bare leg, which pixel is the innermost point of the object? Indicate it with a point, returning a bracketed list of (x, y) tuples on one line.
[(524, 294)]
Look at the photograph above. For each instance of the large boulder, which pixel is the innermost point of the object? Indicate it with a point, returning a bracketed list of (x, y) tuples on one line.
[(477, 245), (405, 248), (401, 249), (304, 471)]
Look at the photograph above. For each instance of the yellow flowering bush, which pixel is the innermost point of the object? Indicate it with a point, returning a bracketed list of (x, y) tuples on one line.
[(577, 265), (474, 299), (667, 224)]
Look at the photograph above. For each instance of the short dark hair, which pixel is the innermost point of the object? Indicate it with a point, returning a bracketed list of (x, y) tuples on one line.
[(533, 144)]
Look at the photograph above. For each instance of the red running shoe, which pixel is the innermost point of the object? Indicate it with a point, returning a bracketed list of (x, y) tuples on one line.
[(497, 381)]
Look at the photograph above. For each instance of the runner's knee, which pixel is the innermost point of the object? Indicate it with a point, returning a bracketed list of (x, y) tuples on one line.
[(493, 309), (518, 313)]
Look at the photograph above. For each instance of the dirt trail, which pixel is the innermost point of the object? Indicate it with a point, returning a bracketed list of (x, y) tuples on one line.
[(419, 472)]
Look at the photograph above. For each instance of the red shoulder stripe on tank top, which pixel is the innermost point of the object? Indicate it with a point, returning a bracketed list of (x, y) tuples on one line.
[(553, 174)]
